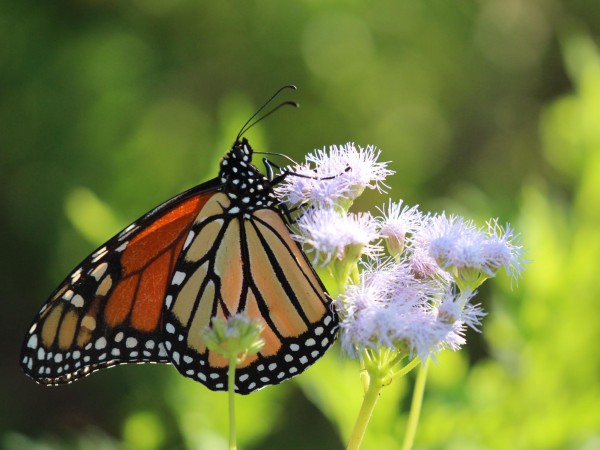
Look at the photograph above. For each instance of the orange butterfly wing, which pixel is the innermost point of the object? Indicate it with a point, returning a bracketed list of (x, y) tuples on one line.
[(108, 311)]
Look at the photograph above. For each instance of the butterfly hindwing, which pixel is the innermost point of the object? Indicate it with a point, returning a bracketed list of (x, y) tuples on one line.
[(235, 262), (108, 311)]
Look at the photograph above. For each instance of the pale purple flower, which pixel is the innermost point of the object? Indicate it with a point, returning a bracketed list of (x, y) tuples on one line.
[(390, 308), (456, 307), (423, 266), (504, 249), (328, 234), (336, 176), (396, 223), (460, 248)]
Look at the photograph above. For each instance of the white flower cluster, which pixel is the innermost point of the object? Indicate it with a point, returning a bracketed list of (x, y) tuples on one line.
[(319, 180), (419, 271)]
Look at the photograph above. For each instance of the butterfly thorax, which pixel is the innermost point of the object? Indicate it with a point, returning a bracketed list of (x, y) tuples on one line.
[(247, 188)]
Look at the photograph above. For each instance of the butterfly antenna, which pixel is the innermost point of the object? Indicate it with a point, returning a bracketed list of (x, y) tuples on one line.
[(264, 116), (249, 124)]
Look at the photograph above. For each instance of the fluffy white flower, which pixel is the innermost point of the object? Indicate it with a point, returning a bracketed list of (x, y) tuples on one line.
[(396, 223), (466, 251), (336, 176), (390, 308), (328, 234)]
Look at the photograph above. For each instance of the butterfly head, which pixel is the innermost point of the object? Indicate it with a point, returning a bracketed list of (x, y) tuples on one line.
[(244, 184)]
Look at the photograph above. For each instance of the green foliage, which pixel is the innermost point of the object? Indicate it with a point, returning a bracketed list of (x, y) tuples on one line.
[(484, 108)]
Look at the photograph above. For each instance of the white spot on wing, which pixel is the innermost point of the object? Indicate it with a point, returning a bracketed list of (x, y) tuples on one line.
[(32, 342), (100, 343), (189, 239), (127, 231), (161, 351), (99, 255), (178, 278)]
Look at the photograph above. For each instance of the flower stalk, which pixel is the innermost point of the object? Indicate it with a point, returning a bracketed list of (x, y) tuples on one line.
[(415, 407), (364, 415), (231, 395), (234, 338)]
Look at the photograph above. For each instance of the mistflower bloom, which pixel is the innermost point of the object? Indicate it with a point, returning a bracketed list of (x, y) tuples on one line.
[(469, 253), (330, 235), (375, 308), (457, 308), (389, 308), (336, 176), (235, 337), (396, 222), (504, 249), (424, 267)]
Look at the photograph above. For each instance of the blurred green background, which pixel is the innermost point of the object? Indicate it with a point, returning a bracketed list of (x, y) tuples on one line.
[(484, 108)]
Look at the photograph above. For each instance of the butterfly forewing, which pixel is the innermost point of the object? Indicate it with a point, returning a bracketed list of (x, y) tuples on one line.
[(108, 311)]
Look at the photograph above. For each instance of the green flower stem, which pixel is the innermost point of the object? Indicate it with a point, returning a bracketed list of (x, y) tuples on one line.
[(410, 366), (231, 393), (415, 407), (364, 415)]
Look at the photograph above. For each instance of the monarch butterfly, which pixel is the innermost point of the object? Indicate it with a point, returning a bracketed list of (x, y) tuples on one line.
[(146, 295)]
